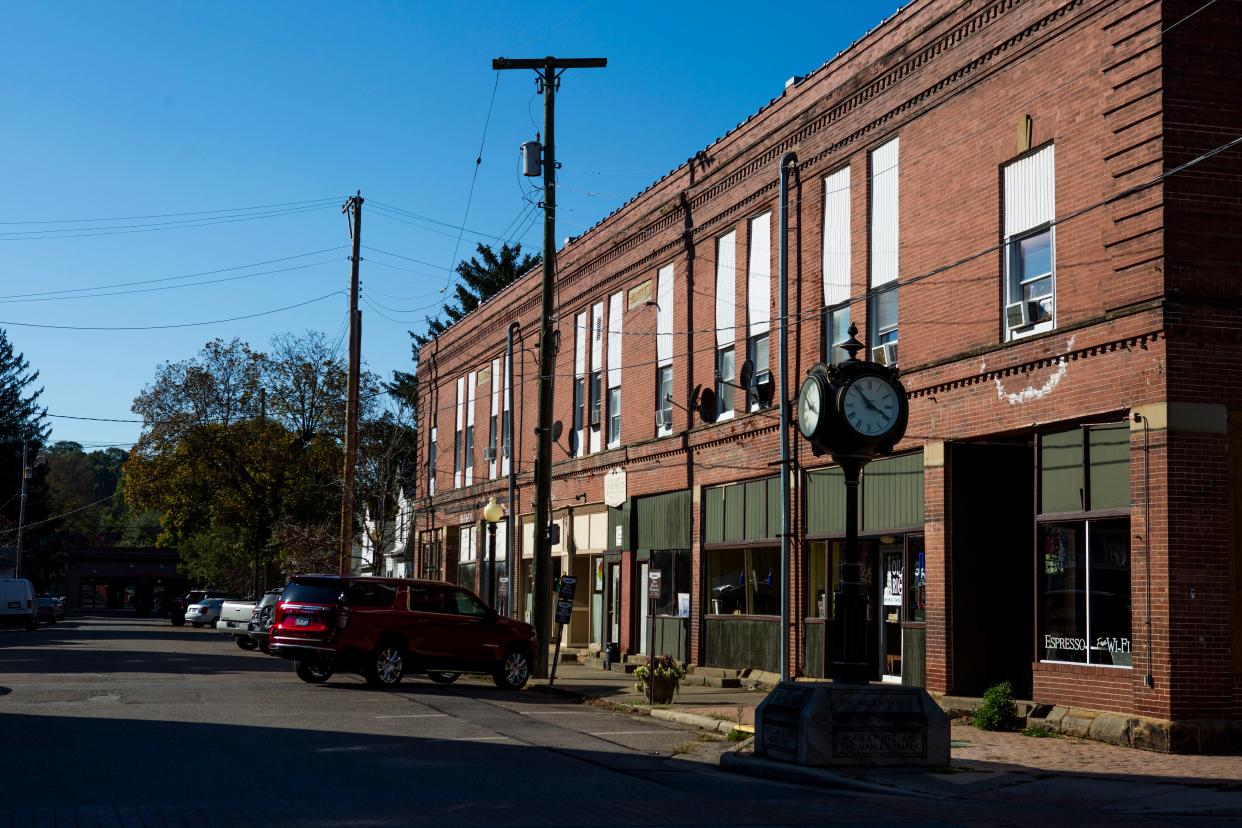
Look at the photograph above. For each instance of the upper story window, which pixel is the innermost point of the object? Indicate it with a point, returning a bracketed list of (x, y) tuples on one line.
[(493, 422), (595, 390), (759, 310), (664, 351), (1030, 272), (507, 427), (885, 243), (458, 435), (431, 459), (726, 313), (577, 443), (836, 266), (472, 384), (614, 370)]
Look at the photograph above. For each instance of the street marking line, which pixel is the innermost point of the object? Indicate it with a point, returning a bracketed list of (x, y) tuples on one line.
[(417, 716), (477, 739)]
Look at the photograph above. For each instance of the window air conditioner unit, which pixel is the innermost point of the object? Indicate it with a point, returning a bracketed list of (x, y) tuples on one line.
[(489, 454), (885, 354), (1017, 315), (763, 387), (664, 418)]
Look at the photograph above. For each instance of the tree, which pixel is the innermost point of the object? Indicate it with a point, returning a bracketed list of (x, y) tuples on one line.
[(22, 419), (482, 277)]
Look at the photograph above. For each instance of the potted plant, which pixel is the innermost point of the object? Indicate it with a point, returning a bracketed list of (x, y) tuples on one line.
[(664, 673)]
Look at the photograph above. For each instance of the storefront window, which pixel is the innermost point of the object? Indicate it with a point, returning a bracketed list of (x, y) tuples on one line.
[(1084, 577), (916, 577), (674, 568), (744, 581)]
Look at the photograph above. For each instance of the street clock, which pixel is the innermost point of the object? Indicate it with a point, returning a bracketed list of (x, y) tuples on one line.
[(857, 409)]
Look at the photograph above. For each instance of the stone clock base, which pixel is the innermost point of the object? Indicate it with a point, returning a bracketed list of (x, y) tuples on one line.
[(823, 725)]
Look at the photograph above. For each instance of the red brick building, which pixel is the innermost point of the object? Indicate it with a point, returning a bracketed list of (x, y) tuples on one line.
[(1032, 208)]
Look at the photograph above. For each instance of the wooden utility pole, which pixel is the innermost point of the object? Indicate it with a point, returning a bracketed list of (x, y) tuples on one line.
[(354, 204), (547, 78), (21, 513)]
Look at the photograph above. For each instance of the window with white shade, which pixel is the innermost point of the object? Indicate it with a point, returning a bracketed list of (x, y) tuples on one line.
[(431, 459), (1030, 272), (664, 351), (836, 266), (577, 434), (507, 427), (595, 390), (885, 176), (726, 311), (614, 370), (493, 422), (472, 384), (759, 307), (458, 435)]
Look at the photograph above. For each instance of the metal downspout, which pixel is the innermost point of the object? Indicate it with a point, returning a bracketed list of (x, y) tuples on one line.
[(789, 162)]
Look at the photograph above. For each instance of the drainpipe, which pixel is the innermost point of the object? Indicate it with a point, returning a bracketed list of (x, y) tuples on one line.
[(789, 163), (1148, 680), (511, 553)]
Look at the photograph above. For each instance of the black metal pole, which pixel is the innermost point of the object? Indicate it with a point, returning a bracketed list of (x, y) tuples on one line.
[(850, 618), (491, 564)]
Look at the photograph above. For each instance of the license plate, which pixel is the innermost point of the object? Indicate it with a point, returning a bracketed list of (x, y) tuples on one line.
[(15, 604), (301, 622)]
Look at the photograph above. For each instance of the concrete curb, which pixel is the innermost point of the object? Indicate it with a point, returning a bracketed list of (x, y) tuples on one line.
[(694, 720), (750, 765)]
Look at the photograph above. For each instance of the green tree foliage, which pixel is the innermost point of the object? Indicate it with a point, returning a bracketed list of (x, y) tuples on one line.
[(482, 277), (21, 419), (241, 458)]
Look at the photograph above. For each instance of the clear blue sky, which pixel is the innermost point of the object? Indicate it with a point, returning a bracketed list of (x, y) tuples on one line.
[(138, 109)]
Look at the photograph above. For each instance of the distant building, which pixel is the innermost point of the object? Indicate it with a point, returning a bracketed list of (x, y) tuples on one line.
[(122, 578)]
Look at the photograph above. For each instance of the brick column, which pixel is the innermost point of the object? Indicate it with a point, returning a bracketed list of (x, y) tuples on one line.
[(939, 568)]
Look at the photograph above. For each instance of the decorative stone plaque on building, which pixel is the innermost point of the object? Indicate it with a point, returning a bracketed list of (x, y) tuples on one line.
[(614, 489)]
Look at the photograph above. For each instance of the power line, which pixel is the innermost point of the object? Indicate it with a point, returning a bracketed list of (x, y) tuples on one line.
[(167, 287), (87, 232), (29, 526), (172, 215), (92, 419), (174, 278), (169, 326)]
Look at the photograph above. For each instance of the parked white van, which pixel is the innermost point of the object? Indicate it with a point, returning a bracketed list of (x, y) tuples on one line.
[(17, 603)]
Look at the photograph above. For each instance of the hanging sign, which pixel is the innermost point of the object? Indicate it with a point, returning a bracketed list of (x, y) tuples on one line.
[(614, 488)]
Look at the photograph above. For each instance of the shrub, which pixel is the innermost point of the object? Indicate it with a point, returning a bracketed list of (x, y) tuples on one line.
[(998, 710)]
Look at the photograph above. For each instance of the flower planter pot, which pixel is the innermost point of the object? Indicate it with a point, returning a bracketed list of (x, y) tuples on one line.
[(662, 690)]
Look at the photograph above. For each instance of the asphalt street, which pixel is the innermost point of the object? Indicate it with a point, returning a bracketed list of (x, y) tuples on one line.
[(124, 721)]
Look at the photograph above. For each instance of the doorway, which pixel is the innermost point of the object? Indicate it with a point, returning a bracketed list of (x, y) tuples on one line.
[(644, 607), (892, 570), (612, 601)]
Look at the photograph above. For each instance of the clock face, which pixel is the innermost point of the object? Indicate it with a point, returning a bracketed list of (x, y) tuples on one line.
[(870, 407), (810, 406)]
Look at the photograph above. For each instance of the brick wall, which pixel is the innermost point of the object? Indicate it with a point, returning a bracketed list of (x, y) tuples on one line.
[(1121, 105)]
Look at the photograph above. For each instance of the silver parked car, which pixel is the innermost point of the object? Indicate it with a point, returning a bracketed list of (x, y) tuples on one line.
[(204, 613)]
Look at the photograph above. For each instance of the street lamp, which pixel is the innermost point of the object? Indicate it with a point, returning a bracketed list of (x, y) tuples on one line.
[(492, 513)]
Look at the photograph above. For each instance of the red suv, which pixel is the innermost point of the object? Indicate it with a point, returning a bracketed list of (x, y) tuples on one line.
[(384, 628)]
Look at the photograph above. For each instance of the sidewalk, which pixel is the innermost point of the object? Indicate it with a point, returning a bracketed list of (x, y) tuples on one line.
[(1008, 769)]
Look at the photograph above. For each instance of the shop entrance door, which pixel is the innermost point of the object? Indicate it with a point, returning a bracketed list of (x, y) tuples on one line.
[(891, 583), (614, 603)]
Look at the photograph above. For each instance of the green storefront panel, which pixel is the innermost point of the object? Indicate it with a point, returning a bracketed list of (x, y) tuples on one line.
[(713, 516), (734, 513), (774, 507), (619, 517), (663, 521), (825, 502), (892, 493), (756, 509), (1108, 452), (1060, 472)]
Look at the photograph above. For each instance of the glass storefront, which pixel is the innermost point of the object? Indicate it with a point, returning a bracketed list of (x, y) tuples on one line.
[(1084, 592), (744, 581)]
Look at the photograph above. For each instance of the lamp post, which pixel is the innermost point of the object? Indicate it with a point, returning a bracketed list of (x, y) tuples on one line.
[(492, 513)]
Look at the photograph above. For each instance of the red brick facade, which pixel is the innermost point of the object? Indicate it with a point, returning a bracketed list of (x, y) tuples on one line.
[(1146, 308)]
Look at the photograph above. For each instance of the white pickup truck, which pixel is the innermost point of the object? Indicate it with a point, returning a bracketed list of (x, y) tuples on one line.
[(235, 621)]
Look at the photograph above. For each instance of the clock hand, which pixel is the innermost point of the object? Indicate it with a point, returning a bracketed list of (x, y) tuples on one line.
[(867, 401)]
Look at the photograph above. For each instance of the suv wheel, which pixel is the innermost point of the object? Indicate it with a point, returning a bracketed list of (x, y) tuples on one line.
[(314, 671), (513, 671), (443, 678), (387, 665), (246, 643)]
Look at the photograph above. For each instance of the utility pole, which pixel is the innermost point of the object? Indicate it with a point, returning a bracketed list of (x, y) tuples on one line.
[(547, 78), (354, 204), (21, 510)]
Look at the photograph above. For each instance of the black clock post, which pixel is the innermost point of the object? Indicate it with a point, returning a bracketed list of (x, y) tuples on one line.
[(855, 411)]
